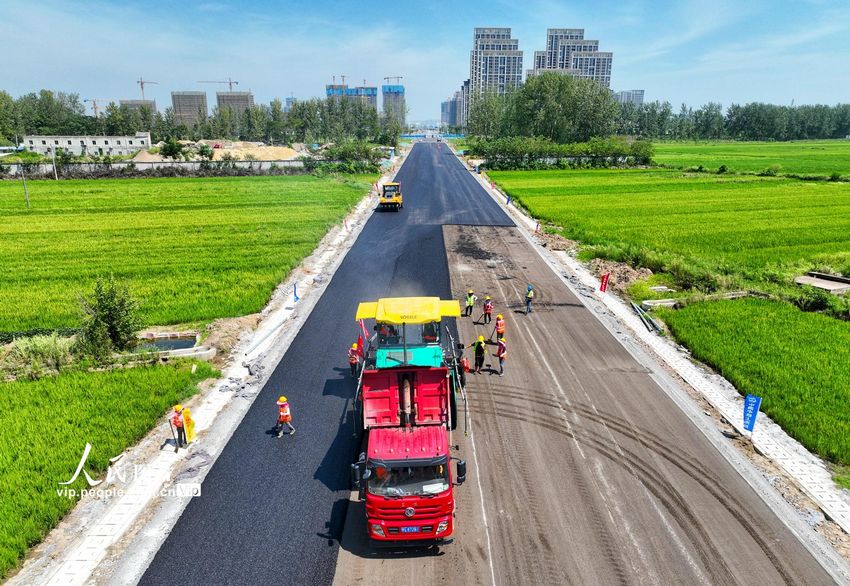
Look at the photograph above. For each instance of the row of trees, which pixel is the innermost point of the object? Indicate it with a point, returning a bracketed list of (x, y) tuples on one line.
[(316, 120), (564, 109), (753, 121), (557, 107)]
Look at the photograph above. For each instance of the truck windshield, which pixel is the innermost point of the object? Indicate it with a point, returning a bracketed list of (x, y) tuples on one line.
[(409, 481), (413, 334), (390, 189)]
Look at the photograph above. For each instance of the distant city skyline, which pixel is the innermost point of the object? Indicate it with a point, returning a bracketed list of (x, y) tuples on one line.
[(681, 51)]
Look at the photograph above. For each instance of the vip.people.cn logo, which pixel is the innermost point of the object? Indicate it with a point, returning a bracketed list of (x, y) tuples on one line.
[(117, 477)]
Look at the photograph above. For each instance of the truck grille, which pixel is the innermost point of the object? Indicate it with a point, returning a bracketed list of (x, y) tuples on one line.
[(422, 512)]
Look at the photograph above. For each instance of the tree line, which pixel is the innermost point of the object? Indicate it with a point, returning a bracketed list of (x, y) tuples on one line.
[(564, 109), (315, 120), (754, 121)]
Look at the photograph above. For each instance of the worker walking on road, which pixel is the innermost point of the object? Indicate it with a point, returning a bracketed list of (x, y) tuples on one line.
[(480, 351), (501, 354), (284, 417), (488, 310), (470, 303), (179, 426), (353, 359), (529, 296), (499, 328)]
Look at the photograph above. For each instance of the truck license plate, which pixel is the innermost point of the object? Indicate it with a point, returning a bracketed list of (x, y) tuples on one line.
[(410, 529)]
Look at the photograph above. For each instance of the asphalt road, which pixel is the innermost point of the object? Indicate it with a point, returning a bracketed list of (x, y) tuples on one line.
[(272, 510)]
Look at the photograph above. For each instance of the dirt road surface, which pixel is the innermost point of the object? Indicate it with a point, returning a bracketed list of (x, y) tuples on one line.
[(589, 473)]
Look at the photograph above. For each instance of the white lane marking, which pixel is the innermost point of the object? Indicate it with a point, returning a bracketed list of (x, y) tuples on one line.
[(481, 501)]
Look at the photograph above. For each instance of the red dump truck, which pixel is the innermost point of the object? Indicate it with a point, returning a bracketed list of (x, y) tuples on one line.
[(407, 395)]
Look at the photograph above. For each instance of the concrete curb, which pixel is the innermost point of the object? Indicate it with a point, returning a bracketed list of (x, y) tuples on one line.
[(809, 472), (217, 415)]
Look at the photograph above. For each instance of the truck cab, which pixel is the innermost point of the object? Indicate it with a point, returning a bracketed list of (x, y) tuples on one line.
[(391, 196), (407, 398)]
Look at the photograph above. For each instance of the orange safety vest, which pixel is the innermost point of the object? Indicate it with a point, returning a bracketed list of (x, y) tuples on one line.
[(502, 351), (500, 326), (352, 356), (488, 307), (284, 415), (177, 420)]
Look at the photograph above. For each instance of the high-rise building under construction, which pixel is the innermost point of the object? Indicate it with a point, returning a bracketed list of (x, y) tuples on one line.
[(238, 102), (189, 107), (394, 102)]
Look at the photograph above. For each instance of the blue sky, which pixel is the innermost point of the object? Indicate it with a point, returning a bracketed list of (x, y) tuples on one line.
[(687, 51)]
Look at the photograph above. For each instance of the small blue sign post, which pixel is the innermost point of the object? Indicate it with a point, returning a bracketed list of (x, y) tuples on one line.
[(295, 292), (751, 409)]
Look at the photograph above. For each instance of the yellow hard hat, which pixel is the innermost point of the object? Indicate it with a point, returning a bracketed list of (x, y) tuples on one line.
[(178, 407), (480, 338), (281, 399), (499, 316), (502, 339), (470, 290), (486, 297), (354, 345)]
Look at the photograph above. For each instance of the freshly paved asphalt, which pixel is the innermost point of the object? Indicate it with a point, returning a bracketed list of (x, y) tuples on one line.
[(272, 509)]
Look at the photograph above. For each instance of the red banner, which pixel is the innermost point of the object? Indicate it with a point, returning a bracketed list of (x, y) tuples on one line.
[(603, 286)]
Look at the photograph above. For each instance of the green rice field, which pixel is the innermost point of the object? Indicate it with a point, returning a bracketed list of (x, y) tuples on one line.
[(45, 425), (799, 363), (730, 224), (191, 249), (807, 157)]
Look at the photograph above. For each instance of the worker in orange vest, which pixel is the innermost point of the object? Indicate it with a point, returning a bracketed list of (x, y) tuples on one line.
[(499, 330), (353, 359), (177, 424), (284, 416), (488, 310), (502, 354)]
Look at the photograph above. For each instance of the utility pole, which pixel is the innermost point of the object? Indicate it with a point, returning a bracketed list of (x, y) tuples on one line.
[(53, 152), (343, 79), (24, 180)]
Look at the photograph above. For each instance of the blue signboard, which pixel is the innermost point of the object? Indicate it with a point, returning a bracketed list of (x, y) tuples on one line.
[(751, 409)]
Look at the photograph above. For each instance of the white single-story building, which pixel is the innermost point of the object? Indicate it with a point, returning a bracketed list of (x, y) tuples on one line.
[(89, 145)]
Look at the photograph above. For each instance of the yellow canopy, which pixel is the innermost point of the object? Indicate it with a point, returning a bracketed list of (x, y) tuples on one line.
[(409, 310)]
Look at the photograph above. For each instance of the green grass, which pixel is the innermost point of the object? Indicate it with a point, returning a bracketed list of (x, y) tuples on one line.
[(809, 157), (45, 425), (728, 224), (798, 362), (191, 249)]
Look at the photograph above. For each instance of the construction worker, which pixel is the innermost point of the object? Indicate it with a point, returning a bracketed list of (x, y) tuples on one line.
[(529, 296), (488, 310), (353, 359), (177, 424), (470, 303), (499, 329), (501, 354), (284, 416), (480, 351)]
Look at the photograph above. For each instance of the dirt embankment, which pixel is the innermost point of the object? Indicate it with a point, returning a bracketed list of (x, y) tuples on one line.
[(622, 275)]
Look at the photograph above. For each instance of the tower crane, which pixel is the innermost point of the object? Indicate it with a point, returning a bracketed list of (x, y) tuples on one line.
[(397, 78), (94, 102), (230, 83), (142, 82)]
